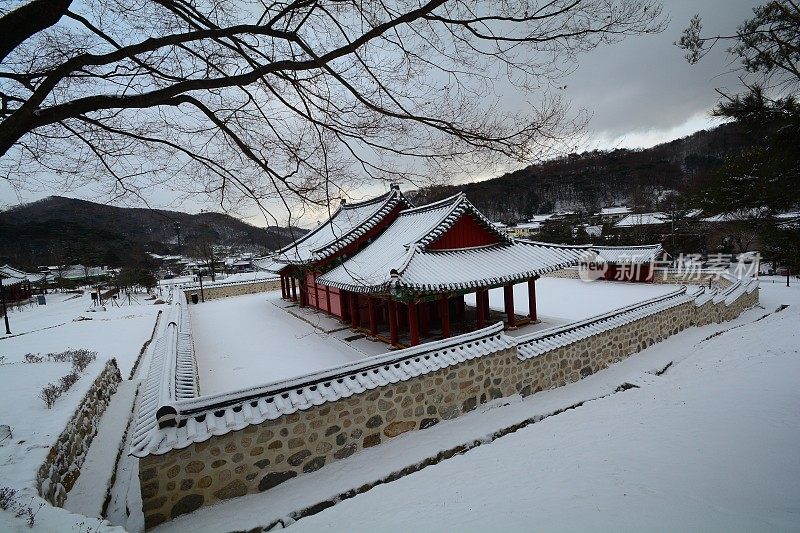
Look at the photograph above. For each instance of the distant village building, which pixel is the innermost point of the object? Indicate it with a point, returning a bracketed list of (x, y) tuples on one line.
[(625, 263), (400, 272), (643, 219), (612, 214)]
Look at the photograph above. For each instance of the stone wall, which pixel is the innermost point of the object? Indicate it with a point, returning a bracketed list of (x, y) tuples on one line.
[(62, 466), (261, 456), (212, 292)]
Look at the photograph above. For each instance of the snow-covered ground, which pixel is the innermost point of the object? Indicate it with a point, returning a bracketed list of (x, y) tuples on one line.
[(567, 300), (712, 444), (250, 340), (65, 322)]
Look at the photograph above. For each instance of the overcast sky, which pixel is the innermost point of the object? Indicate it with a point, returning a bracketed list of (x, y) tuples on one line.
[(639, 92)]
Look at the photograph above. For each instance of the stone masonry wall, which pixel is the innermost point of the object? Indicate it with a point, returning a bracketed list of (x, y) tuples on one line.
[(262, 456), (235, 289), (62, 466)]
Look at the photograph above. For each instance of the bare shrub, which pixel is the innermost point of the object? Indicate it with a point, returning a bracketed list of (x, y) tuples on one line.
[(68, 381), (33, 358), (50, 394), (81, 359), (7, 497)]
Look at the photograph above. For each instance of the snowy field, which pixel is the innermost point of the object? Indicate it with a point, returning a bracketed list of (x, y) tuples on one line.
[(65, 322), (566, 300), (249, 340), (712, 444)]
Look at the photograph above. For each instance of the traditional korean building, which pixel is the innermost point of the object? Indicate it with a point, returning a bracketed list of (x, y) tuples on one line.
[(627, 263), (18, 284), (400, 273)]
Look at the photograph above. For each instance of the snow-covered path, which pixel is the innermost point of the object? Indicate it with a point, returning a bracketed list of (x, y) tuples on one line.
[(249, 340)]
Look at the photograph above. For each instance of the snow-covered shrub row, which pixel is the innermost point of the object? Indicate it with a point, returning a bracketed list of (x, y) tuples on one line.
[(62, 466), (80, 360)]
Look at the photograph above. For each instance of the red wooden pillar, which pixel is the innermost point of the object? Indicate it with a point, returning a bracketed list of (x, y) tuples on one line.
[(316, 291), (460, 306), (354, 318), (344, 302), (481, 308), (486, 310), (294, 290), (508, 298), (303, 293), (393, 334), (328, 298), (424, 319), (444, 314), (413, 323), (373, 316), (532, 298), (283, 287)]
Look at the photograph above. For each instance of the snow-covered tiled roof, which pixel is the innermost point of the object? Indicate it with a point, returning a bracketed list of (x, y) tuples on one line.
[(184, 422), (539, 342), (15, 275), (399, 260), (617, 210), (628, 254), (347, 224), (643, 219), (172, 375), (267, 264)]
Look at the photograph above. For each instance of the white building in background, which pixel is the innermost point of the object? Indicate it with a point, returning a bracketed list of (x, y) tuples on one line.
[(643, 219), (612, 214)]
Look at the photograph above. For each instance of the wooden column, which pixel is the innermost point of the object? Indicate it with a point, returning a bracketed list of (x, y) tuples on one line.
[(481, 308), (508, 299), (413, 323), (393, 334), (444, 314), (303, 289), (373, 316), (316, 291), (344, 303), (487, 312), (532, 298), (328, 299), (283, 287), (424, 312), (354, 318), (294, 290)]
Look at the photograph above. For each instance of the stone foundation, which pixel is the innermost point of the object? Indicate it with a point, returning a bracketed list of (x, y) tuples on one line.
[(261, 456), (62, 467)]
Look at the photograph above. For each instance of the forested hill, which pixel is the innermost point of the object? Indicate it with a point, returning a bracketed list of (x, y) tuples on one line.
[(588, 181), (58, 229)]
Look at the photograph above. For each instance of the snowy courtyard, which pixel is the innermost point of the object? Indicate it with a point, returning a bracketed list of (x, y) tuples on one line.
[(256, 339)]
